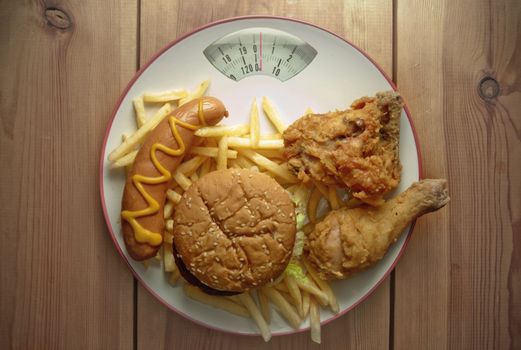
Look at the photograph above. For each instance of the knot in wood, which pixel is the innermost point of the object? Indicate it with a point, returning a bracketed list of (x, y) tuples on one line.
[(488, 88), (57, 18)]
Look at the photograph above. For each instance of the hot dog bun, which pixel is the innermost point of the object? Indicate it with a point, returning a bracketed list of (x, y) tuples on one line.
[(212, 111)]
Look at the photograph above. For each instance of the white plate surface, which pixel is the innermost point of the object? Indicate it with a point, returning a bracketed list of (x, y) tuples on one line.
[(339, 74)]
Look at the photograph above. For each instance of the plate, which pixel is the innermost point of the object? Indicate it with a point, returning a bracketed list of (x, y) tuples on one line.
[(339, 74)]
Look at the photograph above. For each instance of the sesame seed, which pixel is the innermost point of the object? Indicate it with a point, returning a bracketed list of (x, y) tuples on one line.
[(264, 246), (217, 259), (199, 270)]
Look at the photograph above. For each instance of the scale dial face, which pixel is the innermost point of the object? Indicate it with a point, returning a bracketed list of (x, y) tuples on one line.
[(260, 51)]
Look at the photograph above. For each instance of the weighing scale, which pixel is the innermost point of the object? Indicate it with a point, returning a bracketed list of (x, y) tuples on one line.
[(297, 65)]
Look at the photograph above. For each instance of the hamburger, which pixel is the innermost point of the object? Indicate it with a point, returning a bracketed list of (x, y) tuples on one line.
[(234, 231)]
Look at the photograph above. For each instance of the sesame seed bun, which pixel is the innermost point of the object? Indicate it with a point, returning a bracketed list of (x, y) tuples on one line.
[(235, 229)]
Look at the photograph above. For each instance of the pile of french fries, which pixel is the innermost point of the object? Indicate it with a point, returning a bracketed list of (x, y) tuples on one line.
[(294, 296)]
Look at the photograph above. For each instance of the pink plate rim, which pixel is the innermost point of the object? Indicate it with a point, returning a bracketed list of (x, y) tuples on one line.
[(131, 83)]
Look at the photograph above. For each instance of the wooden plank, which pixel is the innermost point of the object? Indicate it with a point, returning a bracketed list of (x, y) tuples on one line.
[(61, 71), (366, 23), (458, 284)]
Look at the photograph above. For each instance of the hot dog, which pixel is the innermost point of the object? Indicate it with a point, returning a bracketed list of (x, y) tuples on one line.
[(151, 174)]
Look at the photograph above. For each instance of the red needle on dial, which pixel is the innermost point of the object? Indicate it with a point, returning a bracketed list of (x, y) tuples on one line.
[(260, 50)]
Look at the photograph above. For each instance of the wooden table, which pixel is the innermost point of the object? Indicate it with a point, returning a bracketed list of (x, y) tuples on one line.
[(63, 65)]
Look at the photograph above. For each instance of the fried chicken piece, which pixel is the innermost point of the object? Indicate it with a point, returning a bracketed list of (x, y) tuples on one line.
[(351, 240), (356, 148)]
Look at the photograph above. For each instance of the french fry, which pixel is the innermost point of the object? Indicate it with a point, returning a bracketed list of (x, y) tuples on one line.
[(305, 304), (308, 111), (281, 287), (173, 196), (269, 165), (272, 115), (244, 162), (247, 300), (223, 130), (321, 297), (168, 209), (222, 158), (289, 299), (212, 152), (182, 180), (215, 301), (322, 188), (324, 286), (190, 166), (332, 197), (314, 199), (205, 167), (126, 160), (275, 136), (168, 258), (264, 305), (164, 96), (140, 134), (283, 306), (194, 177), (254, 124), (168, 236), (174, 277), (169, 226), (199, 91), (243, 142), (314, 320), (139, 108), (294, 291)]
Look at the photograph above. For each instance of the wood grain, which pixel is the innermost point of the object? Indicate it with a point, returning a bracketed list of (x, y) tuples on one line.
[(62, 283), (366, 23), (458, 285)]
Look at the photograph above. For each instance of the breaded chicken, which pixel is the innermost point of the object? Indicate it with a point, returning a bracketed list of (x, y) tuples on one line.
[(351, 240), (355, 149)]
